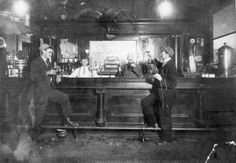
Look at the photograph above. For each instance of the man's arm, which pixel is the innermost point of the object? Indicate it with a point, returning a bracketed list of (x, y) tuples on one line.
[(139, 71), (170, 78), (75, 73), (36, 73)]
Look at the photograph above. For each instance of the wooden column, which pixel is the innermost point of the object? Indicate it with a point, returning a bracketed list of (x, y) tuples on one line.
[(176, 52), (3, 75), (100, 120), (200, 106), (3, 64)]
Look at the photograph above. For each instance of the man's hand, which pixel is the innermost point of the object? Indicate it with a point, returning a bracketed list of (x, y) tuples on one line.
[(132, 65), (58, 79), (157, 76), (51, 72), (153, 69)]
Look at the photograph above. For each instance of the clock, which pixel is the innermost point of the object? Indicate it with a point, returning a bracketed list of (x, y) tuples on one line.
[(192, 40), (2, 42)]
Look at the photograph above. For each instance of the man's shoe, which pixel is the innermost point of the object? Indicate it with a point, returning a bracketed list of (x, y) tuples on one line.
[(163, 142), (70, 123), (60, 130)]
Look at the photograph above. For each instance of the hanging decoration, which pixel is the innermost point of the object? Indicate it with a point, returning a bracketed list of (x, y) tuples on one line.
[(107, 18)]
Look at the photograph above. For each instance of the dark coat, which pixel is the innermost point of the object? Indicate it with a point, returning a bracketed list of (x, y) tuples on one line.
[(41, 84), (128, 72), (34, 97), (164, 89)]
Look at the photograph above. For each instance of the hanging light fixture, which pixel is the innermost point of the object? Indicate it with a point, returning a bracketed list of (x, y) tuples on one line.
[(20, 8), (165, 9), (63, 15)]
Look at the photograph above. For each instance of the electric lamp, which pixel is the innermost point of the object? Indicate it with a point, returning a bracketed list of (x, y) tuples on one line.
[(20, 8), (165, 9)]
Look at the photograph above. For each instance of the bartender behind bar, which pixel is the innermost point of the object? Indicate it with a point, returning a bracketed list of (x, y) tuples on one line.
[(131, 69), (83, 71)]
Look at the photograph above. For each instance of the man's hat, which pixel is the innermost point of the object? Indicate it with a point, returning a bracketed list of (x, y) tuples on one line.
[(44, 46), (168, 50)]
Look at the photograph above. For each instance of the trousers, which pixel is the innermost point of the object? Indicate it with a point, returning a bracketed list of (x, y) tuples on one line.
[(153, 113), (62, 104)]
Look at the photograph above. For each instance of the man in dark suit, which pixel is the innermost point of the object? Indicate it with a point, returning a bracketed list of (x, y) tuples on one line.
[(43, 91), (131, 69), (156, 106)]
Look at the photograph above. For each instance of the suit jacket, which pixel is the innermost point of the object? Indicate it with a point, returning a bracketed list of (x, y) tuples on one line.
[(41, 84), (34, 97), (128, 72), (164, 89)]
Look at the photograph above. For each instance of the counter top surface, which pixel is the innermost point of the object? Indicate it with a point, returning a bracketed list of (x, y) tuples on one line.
[(121, 83)]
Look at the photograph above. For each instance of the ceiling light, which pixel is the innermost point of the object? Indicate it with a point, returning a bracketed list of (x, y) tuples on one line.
[(165, 9), (20, 8)]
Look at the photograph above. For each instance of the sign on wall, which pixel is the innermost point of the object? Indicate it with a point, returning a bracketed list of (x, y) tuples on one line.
[(68, 49)]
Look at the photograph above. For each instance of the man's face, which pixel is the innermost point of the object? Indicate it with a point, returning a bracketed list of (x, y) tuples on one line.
[(48, 53), (163, 55), (84, 62), (130, 59)]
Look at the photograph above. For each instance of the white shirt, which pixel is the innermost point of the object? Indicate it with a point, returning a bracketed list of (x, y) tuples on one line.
[(165, 61), (81, 72), (45, 60)]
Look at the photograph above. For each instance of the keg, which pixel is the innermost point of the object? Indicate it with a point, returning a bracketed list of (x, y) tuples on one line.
[(225, 60)]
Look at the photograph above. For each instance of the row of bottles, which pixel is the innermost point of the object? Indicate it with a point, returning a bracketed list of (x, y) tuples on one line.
[(66, 68), (16, 67)]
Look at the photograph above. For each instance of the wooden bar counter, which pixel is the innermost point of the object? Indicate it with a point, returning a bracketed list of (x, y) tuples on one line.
[(200, 102)]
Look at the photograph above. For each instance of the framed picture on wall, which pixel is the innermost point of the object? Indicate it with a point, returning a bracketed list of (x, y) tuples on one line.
[(100, 50)]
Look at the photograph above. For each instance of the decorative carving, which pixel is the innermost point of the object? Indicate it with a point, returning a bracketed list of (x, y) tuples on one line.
[(107, 18)]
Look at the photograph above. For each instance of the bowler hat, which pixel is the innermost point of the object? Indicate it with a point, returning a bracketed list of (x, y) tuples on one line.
[(168, 50)]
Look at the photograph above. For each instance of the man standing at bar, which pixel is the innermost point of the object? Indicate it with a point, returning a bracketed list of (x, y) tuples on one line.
[(83, 71), (43, 92), (157, 105)]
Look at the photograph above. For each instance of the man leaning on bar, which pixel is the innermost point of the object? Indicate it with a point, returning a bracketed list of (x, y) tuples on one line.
[(43, 92)]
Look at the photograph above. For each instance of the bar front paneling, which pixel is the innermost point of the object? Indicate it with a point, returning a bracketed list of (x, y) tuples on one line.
[(116, 102), (184, 113), (123, 106), (219, 101), (120, 105)]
